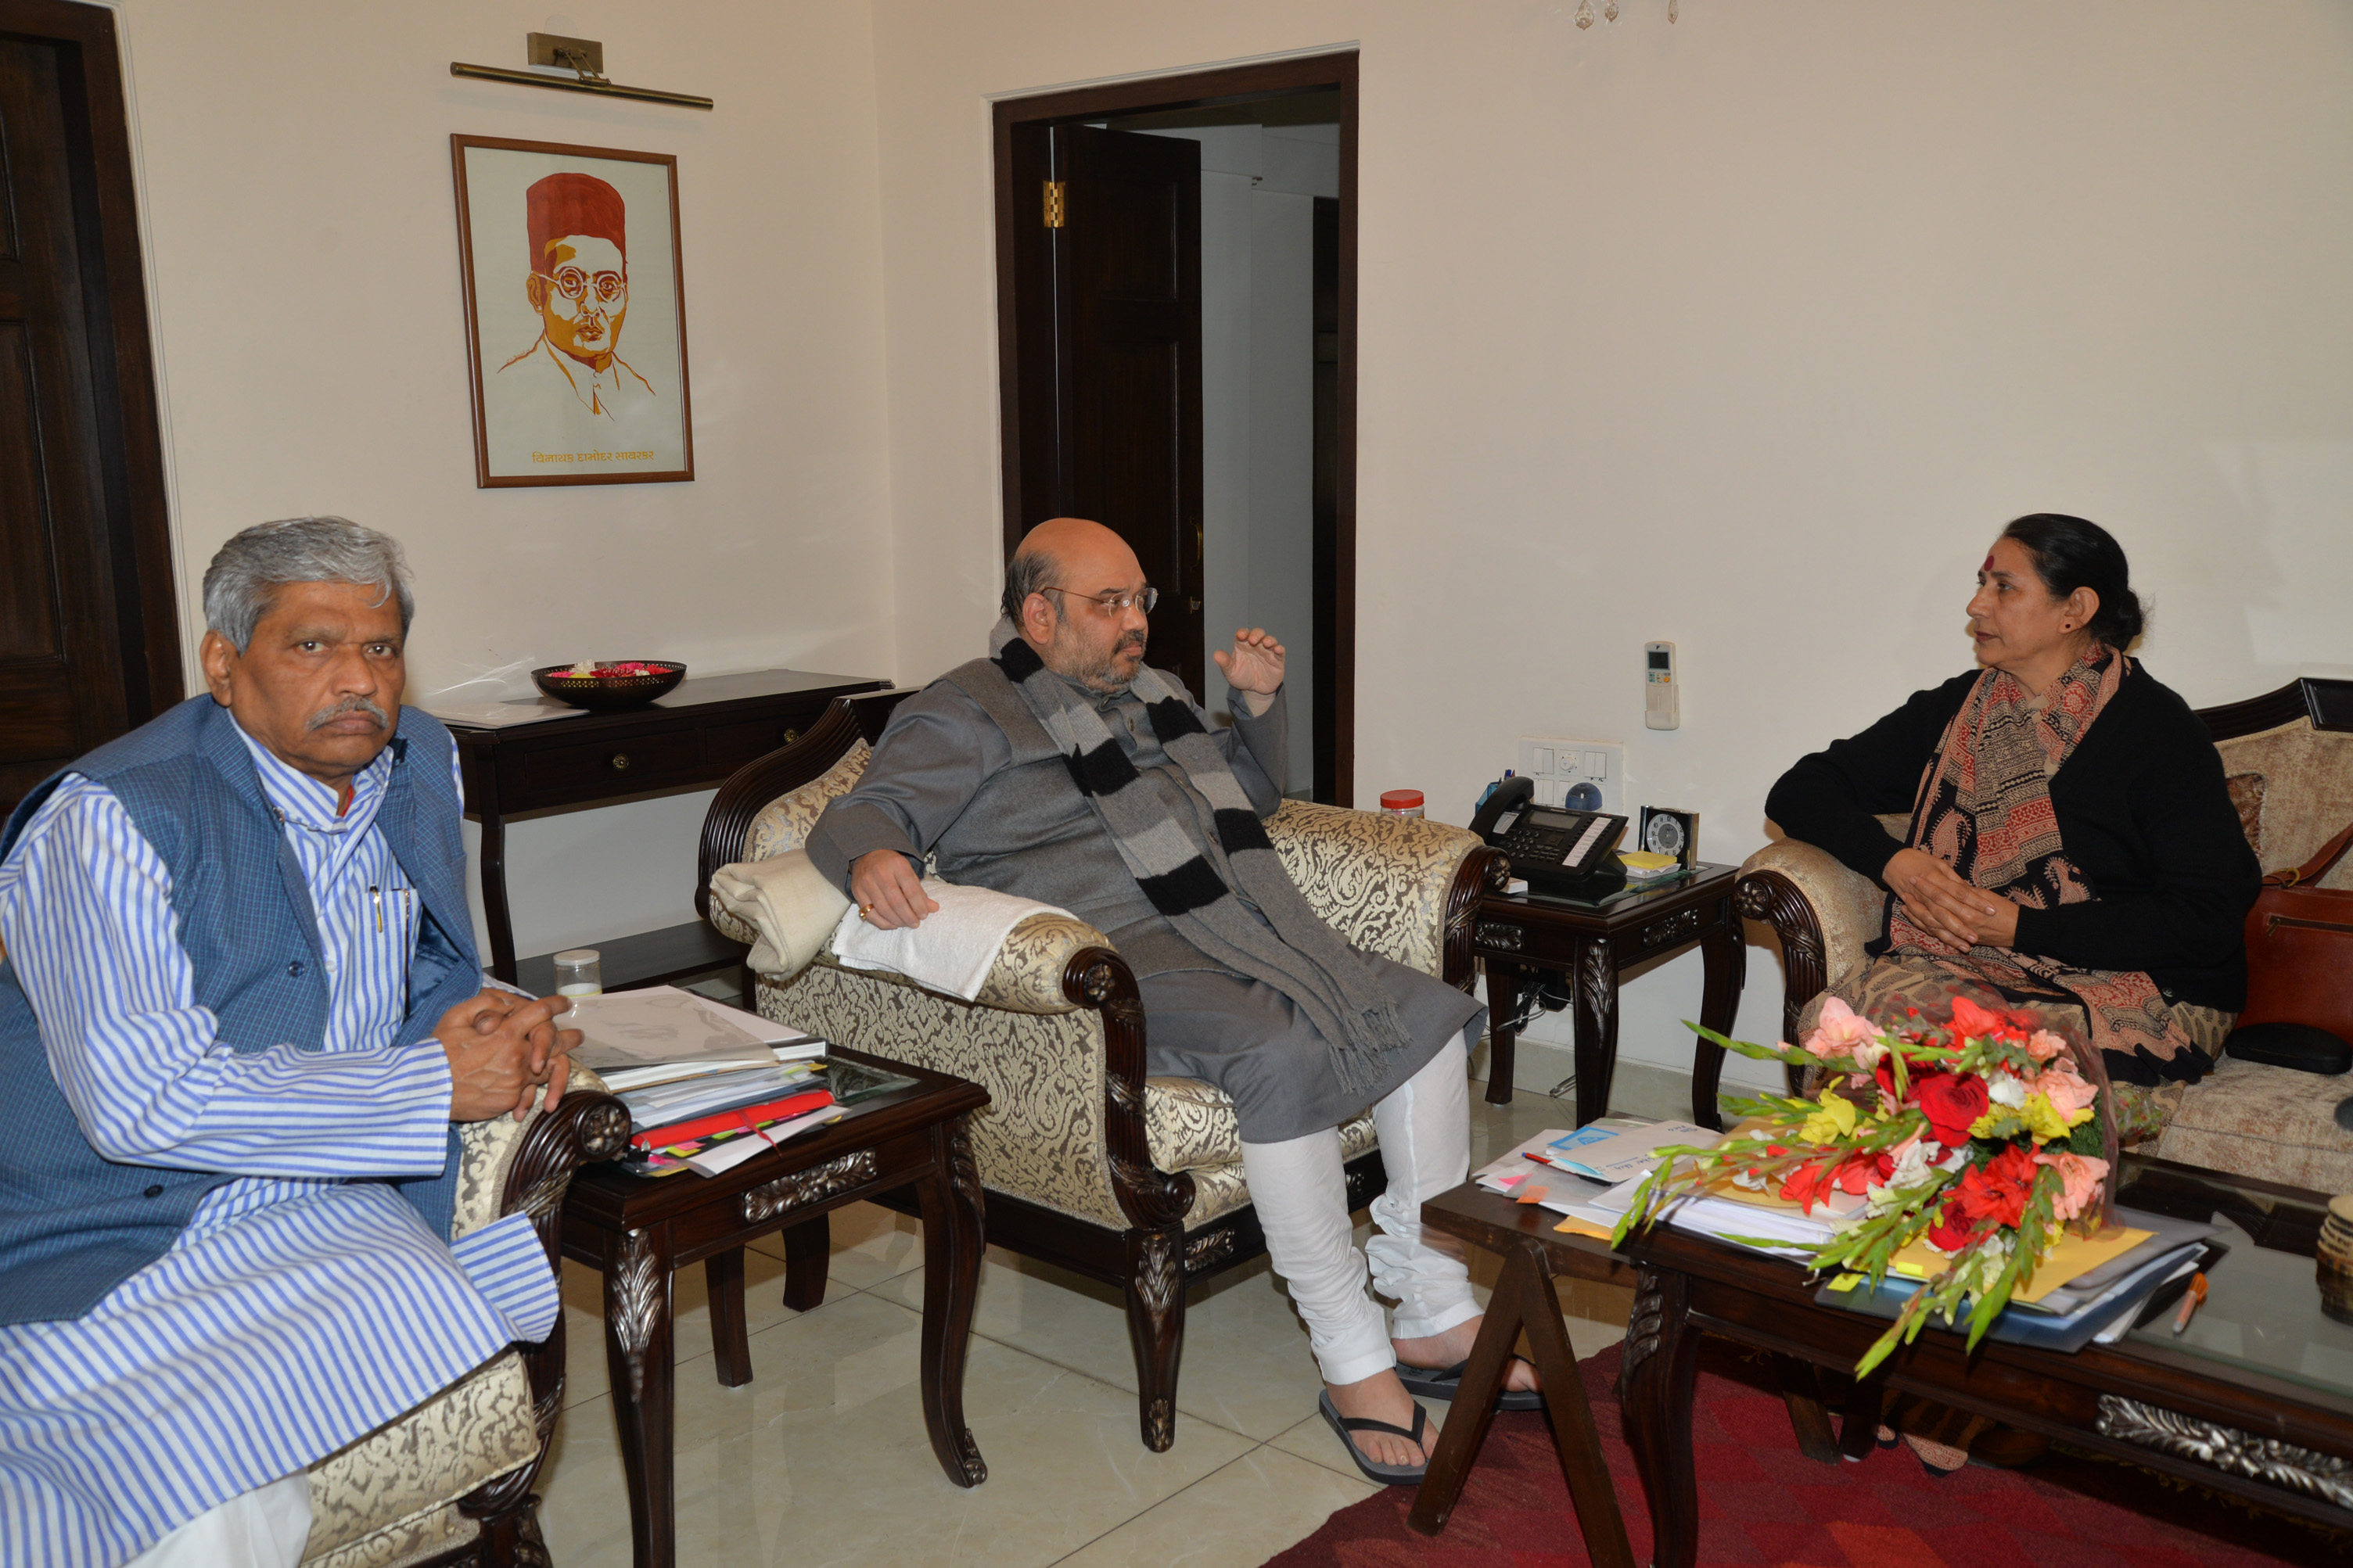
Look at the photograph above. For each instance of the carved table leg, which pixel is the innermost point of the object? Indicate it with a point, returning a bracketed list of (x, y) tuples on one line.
[(731, 1343), (637, 1352), (1801, 1392), (808, 1251), (1725, 960), (1860, 1428), (1597, 1027), (952, 1248), (1155, 1327), (493, 856), (1655, 1388), (1503, 1005)]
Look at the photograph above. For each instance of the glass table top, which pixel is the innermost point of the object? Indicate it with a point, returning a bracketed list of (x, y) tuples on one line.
[(1588, 900), (2262, 1310)]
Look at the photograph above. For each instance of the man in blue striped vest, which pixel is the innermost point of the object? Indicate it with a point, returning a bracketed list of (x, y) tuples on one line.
[(239, 1012)]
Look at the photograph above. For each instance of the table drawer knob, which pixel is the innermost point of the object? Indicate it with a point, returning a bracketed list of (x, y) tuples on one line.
[(791, 735), (620, 761)]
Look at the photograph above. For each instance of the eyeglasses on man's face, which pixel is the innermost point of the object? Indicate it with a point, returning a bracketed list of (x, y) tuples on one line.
[(574, 284), (1115, 602)]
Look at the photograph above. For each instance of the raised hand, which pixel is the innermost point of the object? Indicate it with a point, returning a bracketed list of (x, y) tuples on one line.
[(1256, 663)]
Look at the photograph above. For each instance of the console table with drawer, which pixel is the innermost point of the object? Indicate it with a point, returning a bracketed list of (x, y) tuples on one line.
[(694, 737)]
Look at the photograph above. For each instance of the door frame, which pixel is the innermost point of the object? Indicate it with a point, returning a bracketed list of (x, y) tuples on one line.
[(1202, 89), (123, 373)]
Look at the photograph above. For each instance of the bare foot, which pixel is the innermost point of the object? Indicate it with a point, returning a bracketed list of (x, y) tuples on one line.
[(1454, 1345), (1381, 1397)]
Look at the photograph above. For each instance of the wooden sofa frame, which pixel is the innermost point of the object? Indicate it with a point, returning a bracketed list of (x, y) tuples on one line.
[(1153, 1261)]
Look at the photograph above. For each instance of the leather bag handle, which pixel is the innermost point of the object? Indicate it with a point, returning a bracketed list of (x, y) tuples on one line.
[(2317, 868)]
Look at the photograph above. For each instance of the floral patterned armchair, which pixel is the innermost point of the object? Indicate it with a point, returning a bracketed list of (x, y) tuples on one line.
[(1088, 1163), (2288, 758), (449, 1482)]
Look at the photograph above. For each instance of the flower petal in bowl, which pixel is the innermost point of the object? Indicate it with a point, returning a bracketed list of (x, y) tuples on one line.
[(610, 689)]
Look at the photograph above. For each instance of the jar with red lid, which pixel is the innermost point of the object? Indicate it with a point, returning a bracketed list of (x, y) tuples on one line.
[(1402, 803)]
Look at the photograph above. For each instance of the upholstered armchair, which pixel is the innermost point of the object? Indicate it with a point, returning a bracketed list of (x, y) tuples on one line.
[(2288, 757), (449, 1482), (1090, 1164)]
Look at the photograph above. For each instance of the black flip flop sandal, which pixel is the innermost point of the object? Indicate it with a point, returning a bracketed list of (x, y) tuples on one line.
[(1445, 1383), (1383, 1475)]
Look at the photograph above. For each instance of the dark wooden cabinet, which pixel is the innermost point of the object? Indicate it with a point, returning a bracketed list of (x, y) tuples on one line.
[(694, 737)]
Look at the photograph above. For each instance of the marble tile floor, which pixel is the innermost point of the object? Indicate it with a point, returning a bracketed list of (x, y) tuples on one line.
[(822, 1459)]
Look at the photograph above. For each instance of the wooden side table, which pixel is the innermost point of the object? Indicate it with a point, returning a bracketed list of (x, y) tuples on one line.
[(694, 737), (638, 1232), (1592, 942)]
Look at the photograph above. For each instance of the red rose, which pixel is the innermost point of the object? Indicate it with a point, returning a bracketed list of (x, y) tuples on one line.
[(1953, 1227), (1951, 1101)]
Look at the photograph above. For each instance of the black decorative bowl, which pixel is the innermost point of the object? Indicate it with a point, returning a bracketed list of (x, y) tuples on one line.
[(609, 693)]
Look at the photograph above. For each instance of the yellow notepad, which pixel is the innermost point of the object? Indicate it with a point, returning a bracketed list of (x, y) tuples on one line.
[(2071, 1257), (1573, 1225)]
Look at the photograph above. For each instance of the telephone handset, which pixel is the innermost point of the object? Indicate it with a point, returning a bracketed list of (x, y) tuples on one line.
[(1547, 842)]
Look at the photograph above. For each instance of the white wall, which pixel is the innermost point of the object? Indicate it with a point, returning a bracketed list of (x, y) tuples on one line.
[(301, 236), (1747, 332)]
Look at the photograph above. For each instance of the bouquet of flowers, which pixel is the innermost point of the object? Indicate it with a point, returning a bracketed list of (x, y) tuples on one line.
[(1982, 1138)]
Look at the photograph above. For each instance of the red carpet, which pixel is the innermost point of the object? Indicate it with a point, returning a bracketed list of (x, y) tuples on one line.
[(1764, 1504)]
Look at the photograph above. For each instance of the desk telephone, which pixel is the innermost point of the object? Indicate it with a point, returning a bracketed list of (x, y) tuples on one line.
[(1548, 842)]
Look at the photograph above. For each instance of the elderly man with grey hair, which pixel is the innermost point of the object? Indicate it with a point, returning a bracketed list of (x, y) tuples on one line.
[(240, 1010)]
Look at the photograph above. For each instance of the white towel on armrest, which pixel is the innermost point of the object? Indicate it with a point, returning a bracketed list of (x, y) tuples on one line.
[(787, 900), (952, 950)]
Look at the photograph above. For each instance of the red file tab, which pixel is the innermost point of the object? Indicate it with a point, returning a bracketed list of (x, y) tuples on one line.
[(739, 1118)]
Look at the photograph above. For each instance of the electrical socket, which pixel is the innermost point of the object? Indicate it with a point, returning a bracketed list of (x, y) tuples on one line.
[(1559, 765)]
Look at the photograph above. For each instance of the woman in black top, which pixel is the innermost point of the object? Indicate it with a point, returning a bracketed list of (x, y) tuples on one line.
[(2072, 850)]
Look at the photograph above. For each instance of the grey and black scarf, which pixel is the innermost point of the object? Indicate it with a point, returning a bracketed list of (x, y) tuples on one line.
[(1194, 884)]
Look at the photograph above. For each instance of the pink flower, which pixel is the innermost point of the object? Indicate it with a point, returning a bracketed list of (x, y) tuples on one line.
[(2043, 1046), (1839, 1031), (2067, 1089), (2080, 1176)]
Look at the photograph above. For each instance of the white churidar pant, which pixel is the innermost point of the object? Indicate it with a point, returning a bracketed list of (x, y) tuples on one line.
[(265, 1528), (1303, 1205)]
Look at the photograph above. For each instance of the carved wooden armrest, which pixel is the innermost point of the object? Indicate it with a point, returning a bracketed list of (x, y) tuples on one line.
[(1823, 913), (1098, 977), (586, 1125)]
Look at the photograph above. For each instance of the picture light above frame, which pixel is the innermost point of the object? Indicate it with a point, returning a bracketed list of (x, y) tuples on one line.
[(585, 57)]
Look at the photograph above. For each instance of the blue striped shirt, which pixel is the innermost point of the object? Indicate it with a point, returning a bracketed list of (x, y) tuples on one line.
[(303, 1306)]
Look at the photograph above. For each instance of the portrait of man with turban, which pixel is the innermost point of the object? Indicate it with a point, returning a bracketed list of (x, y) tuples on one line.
[(579, 287)]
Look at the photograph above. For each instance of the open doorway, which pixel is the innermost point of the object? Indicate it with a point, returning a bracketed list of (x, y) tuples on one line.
[(1176, 264)]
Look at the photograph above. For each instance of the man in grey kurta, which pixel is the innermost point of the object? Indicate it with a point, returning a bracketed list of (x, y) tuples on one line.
[(968, 772)]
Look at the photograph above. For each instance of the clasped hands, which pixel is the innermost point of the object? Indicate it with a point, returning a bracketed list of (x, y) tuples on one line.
[(503, 1049), (1942, 904)]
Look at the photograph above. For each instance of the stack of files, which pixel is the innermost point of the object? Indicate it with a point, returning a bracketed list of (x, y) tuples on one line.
[(1761, 1222), (676, 1123), (660, 1033), (1555, 1168), (2086, 1289), (1616, 1147)]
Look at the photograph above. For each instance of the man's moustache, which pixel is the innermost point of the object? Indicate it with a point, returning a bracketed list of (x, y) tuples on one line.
[(1131, 641), (326, 716)]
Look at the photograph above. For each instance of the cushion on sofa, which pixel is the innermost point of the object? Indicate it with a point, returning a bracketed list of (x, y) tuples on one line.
[(2268, 1123)]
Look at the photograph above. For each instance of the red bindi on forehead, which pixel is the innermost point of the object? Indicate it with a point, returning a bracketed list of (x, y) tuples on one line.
[(1989, 562)]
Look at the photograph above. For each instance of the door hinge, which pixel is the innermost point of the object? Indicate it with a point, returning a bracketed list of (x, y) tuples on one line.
[(1054, 207)]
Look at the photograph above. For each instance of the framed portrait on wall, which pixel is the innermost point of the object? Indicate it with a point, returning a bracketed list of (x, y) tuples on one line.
[(575, 313)]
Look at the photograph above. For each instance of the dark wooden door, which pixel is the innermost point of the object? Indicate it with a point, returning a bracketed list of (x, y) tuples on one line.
[(87, 647), (1111, 300)]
